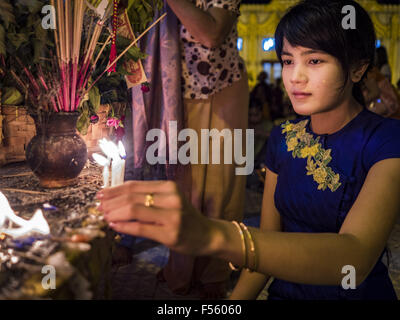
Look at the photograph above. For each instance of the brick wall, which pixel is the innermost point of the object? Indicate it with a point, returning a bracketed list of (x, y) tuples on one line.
[(18, 129)]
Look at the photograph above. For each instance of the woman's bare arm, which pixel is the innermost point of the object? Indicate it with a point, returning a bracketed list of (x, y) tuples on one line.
[(210, 27), (319, 258), (309, 258), (249, 284)]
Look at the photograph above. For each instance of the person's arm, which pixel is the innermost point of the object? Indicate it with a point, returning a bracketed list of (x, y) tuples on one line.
[(249, 284), (308, 258), (210, 27), (371, 90), (318, 258)]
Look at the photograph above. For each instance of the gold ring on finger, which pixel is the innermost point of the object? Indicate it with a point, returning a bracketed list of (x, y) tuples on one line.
[(149, 200)]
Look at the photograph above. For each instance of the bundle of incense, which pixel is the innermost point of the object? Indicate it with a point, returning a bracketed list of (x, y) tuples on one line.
[(63, 88)]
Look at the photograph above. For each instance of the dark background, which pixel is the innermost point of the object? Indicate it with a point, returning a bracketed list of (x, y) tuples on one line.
[(268, 1)]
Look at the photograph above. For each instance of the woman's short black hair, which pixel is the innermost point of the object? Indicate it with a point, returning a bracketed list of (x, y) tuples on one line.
[(317, 24)]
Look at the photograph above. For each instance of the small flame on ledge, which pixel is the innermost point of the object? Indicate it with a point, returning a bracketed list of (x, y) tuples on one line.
[(36, 224)]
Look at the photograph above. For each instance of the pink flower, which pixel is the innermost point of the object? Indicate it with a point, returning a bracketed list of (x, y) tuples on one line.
[(113, 122), (145, 87), (94, 119)]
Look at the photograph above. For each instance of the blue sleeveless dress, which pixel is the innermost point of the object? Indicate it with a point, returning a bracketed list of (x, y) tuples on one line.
[(319, 178)]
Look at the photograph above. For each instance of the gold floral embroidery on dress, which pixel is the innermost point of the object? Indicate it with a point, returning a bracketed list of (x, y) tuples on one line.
[(303, 145)]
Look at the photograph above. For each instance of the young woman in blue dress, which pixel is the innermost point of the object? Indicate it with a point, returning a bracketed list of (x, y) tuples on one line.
[(332, 183)]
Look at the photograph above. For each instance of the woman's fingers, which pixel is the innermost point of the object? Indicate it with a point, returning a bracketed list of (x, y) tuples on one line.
[(160, 200), (139, 229), (140, 213), (159, 233), (138, 187)]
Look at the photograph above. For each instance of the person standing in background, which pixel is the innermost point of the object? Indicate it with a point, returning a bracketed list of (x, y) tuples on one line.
[(277, 100), (382, 62), (215, 96), (380, 95), (262, 91)]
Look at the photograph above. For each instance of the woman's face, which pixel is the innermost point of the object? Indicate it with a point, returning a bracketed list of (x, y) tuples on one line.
[(313, 79)]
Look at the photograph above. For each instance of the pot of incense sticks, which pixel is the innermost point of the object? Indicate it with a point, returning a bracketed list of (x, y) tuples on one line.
[(57, 154)]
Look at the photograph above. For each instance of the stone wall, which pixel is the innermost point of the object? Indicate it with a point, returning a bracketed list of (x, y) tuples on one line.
[(18, 129)]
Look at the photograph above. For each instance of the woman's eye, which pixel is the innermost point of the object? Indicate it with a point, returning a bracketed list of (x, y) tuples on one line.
[(287, 62), (315, 61)]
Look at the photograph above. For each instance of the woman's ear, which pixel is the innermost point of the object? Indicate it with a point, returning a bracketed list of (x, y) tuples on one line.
[(357, 72)]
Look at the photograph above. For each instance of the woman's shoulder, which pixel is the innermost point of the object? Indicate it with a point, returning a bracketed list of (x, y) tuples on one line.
[(382, 139), (375, 123)]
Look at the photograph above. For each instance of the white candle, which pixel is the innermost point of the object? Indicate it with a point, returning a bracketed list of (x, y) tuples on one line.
[(106, 170), (115, 154), (118, 166), (117, 172)]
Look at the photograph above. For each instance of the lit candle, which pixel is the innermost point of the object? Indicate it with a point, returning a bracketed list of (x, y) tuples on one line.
[(36, 224), (118, 166), (104, 162), (115, 154)]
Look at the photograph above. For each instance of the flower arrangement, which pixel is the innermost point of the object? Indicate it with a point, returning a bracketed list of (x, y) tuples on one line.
[(68, 68)]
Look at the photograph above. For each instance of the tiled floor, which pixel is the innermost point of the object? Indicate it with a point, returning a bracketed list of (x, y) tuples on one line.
[(137, 281)]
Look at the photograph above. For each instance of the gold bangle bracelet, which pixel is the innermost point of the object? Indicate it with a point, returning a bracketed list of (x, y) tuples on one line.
[(243, 246), (252, 248)]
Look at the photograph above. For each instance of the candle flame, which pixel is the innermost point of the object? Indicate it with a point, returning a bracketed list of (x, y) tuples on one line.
[(36, 224), (103, 161), (109, 148), (115, 153)]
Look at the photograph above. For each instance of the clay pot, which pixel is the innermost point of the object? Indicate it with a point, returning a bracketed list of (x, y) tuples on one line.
[(57, 154)]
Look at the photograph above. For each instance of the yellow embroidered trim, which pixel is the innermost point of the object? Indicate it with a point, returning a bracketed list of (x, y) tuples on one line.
[(302, 145)]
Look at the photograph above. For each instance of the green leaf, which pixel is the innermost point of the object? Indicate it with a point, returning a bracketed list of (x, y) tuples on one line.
[(39, 42), (83, 122), (121, 70), (131, 3), (34, 6), (160, 4), (94, 98), (17, 39), (147, 7), (11, 96), (6, 13), (136, 54)]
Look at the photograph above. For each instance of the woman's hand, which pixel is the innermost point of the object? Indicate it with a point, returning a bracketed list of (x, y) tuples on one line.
[(170, 220)]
